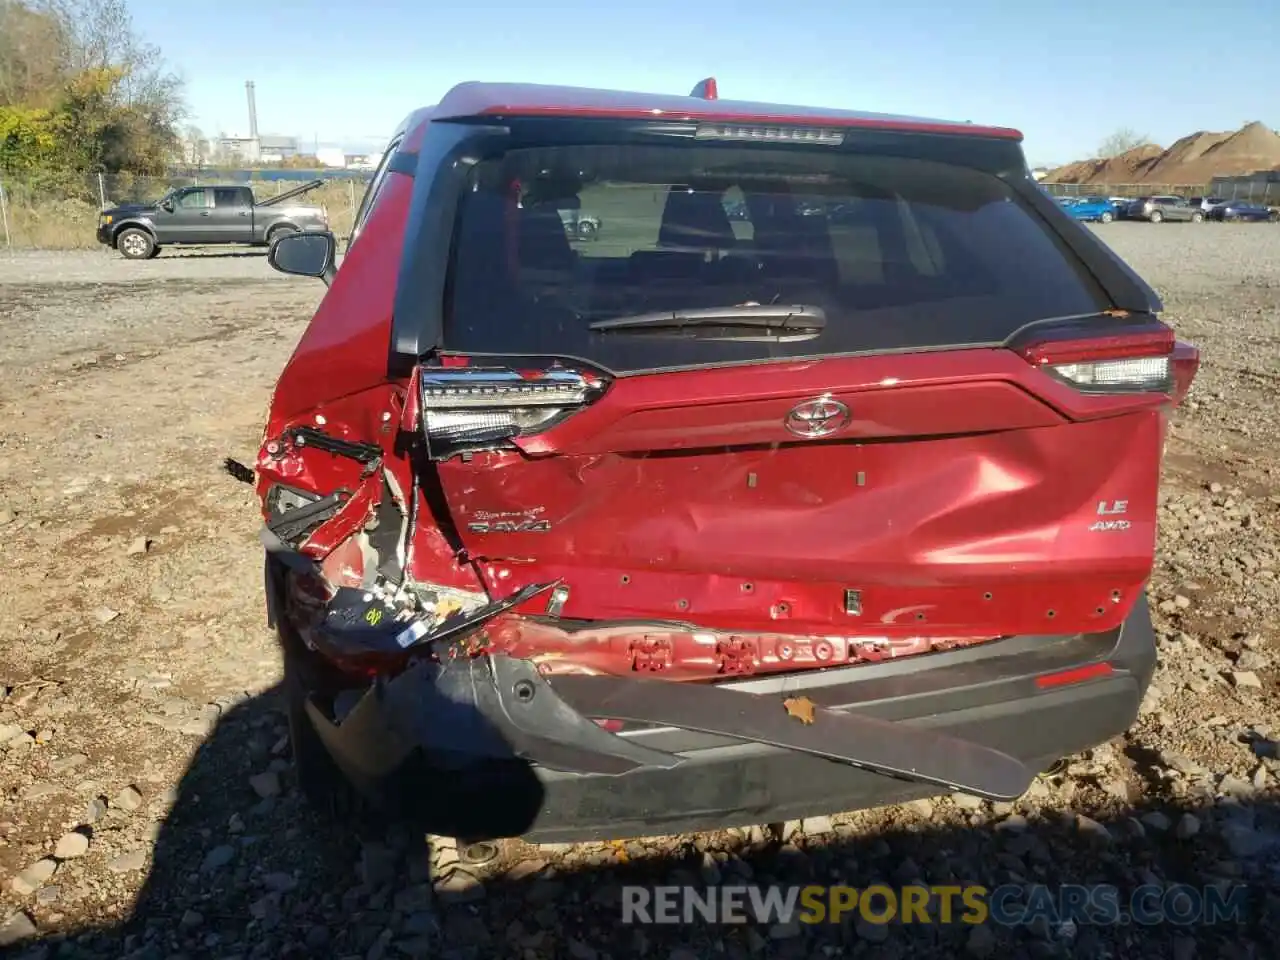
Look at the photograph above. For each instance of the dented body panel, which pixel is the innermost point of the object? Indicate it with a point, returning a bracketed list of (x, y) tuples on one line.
[(538, 559)]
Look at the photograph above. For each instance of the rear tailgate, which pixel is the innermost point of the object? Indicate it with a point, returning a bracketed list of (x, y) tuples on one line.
[(968, 448)]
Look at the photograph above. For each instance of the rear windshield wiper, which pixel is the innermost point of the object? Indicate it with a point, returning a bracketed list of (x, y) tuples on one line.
[(770, 321)]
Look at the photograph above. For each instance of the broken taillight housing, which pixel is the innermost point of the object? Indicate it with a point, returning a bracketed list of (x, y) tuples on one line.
[(468, 406), (1146, 361)]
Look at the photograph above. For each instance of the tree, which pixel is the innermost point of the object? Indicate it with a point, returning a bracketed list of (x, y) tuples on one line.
[(76, 71), (1122, 140), (30, 46)]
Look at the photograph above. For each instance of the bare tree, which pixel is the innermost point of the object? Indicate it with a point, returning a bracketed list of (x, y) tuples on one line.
[(99, 35), (1124, 139)]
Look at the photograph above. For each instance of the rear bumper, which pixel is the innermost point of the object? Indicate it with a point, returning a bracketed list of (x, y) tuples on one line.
[(1028, 700)]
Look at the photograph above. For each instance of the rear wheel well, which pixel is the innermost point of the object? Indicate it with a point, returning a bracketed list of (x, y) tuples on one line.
[(280, 229)]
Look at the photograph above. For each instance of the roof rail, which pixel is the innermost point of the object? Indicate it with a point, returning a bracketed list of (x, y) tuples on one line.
[(706, 89)]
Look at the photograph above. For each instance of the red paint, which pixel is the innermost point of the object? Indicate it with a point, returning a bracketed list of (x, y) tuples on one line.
[(536, 100), (706, 89), (970, 496), (1093, 671), (344, 348)]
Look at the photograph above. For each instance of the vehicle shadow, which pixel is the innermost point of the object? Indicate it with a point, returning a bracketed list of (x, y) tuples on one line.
[(239, 874)]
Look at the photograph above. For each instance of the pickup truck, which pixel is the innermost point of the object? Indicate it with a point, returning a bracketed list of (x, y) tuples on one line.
[(214, 214)]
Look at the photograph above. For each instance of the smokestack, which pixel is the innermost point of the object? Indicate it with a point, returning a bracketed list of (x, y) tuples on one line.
[(253, 110)]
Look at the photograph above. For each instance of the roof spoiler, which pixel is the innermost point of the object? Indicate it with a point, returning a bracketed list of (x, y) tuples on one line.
[(706, 89), (289, 194)]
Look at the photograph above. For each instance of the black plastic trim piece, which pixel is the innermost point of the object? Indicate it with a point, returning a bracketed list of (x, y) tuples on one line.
[(447, 154)]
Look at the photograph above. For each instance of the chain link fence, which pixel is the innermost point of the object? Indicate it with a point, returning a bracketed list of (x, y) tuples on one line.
[(43, 211)]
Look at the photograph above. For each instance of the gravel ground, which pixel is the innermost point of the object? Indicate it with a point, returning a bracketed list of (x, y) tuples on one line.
[(148, 807)]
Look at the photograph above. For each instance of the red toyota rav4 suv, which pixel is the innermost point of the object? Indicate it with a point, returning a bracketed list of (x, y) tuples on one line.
[(820, 473)]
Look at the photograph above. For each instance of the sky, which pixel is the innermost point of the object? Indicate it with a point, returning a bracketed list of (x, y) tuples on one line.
[(345, 74)]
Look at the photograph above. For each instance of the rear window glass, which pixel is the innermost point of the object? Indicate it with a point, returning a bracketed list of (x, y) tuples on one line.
[(900, 253)]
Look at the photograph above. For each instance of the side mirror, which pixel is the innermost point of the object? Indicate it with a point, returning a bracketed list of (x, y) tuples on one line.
[(308, 254), (167, 205)]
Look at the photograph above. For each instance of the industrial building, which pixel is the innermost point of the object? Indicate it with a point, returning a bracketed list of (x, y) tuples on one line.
[(256, 148)]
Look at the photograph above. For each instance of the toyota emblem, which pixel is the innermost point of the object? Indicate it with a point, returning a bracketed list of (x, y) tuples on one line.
[(817, 418)]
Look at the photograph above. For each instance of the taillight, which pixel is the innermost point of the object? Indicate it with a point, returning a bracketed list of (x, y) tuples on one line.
[(1147, 361), (469, 406)]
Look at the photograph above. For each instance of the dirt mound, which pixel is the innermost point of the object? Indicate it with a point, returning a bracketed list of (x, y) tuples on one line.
[(1195, 158), (1122, 168)]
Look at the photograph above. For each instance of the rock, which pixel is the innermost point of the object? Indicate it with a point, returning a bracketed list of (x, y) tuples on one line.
[(1245, 842), (420, 923), (49, 895), (7, 517), (1184, 948), (709, 870), (1181, 602), (1188, 826), (18, 927), (317, 939), (71, 845), (1092, 828), (67, 763), (217, 858), (871, 932), (191, 919), (10, 730), (581, 951), (266, 784), (981, 943), (138, 546), (460, 887), (1246, 680), (818, 826), (1252, 660), (279, 882), (921, 808), (34, 877), (128, 862), (785, 931), (1015, 823), (95, 810), (966, 801), (129, 799), (38, 791), (1231, 786), (105, 615)]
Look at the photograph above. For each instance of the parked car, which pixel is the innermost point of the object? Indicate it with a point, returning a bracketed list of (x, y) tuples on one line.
[(1159, 208), (1206, 203), (1093, 208), (570, 547), (215, 214), (1242, 210)]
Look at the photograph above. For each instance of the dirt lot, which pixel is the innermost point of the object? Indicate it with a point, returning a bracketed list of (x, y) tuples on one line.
[(147, 805)]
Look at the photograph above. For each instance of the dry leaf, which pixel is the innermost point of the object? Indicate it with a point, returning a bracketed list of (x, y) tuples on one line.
[(800, 707)]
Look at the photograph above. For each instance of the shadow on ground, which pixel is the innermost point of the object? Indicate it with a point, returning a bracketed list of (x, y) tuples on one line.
[(239, 876)]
